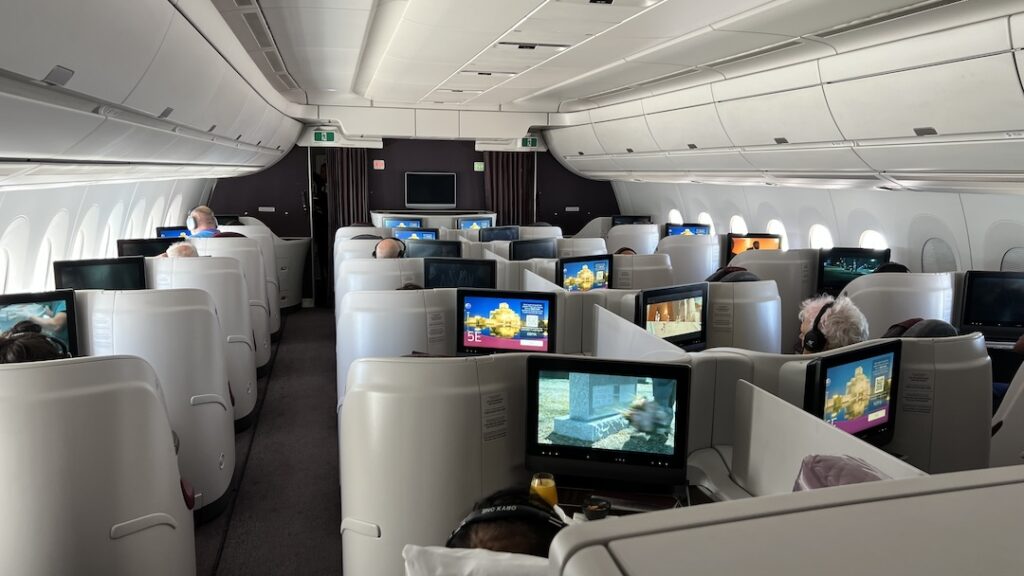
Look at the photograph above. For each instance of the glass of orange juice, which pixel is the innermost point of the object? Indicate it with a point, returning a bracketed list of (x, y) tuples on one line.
[(543, 485)]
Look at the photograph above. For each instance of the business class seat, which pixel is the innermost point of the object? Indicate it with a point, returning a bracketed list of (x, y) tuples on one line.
[(291, 262), (247, 252), (537, 232), (348, 232), (641, 271), (177, 332), (1008, 425), (642, 238), (694, 258), (886, 299), (745, 315), (265, 238), (795, 274), (91, 482), (576, 246), (223, 280), (372, 274)]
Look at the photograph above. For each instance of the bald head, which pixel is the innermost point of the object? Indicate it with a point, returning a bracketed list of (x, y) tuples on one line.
[(203, 218), (182, 250), (388, 248)]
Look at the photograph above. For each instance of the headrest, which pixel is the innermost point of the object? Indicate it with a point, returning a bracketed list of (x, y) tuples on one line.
[(366, 237), (890, 267), (722, 273), (900, 328), (931, 329)]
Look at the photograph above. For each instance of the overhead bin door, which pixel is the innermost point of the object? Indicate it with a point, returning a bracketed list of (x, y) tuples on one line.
[(998, 156), (646, 162), (590, 164), (30, 129), (794, 116), (690, 128), (710, 161), (839, 159), (625, 136), (574, 141)]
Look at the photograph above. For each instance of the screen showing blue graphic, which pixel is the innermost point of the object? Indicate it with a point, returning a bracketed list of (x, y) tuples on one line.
[(857, 394), (415, 233), (403, 222), (687, 230), (173, 232), (585, 275), (505, 323), (474, 223)]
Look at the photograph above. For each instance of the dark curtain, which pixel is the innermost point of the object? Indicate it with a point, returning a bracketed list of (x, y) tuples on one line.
[(508, 185), (348, 196)]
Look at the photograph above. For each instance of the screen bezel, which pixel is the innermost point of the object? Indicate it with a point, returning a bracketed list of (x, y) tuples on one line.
[(387, 219), (688, 342), (437, 233), (460, 317), (495, 230), (560, 269), (409, 247), (459, 221), (1004, 333), (731, 236), (625, 219), (145, 242), (136, 264), (669, 226), (491, 265), (66, 295), (635, 467), (161, 229), (853, 252), (454, 190), (515, 245), (817, 370)]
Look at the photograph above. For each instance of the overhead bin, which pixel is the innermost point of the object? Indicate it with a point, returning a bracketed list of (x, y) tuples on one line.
[(250, 116), (122, 141), (979, 156), (591, 163), (223, 110), (710, 161), (625, 136), (794, 116), (838, 159), (686, 98), (574, 141), (688, 128), (33, 129), (87, 38), (653, 162)]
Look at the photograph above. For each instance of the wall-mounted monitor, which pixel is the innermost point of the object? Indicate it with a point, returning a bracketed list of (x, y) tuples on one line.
[(837, 267), (677, 314), (459, 273), (430, 190), (736, 243), (102, 274), (173, 232), (584, 273), (856, 391), (509, 233), (433, 249), (505, 321), (50, 313), (687, 230), (622, 219), (145, 246), (993, 304), (530, 249), (414, 233), (403, 222), (607, 419), (468, 223)]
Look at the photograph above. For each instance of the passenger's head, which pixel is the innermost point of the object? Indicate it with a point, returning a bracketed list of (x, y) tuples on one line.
[(890, 267), (931, 329), (733, 274), (181, 250), (229, 235), (827, 323), (626, 251), (389, 248), (512, 520), (410, 286), (201, 218), (17, 347)]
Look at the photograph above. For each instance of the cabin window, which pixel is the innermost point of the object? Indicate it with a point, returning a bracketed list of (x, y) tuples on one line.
[(737, 225), (873, 239), (705, 218), (1013, 260), (777, 227), (820, 237), (675, 216), (108, 245), (4, 259), (53, 247), (83, 247), (938, 256), (136, 227), (174, 216), (44, 266)]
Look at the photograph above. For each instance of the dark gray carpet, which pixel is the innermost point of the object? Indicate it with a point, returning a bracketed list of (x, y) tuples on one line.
[(287, 511)]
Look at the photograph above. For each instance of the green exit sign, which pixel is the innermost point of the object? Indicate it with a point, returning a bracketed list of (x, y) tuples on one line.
[(530, 142), (323, 136)]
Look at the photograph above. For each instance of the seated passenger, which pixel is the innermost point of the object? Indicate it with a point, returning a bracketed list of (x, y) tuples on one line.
[(931, 329), (827, 323), (511, 520), (389, 248), (733, 274), (181, 250), (201, 222), (626, 250), (30, 346), (229, 235), (890, 267)]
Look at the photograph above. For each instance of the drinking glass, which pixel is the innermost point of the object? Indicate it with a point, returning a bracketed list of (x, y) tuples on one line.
[(543, 485)]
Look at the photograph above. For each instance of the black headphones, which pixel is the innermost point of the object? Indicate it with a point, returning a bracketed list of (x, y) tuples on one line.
[(401, 251), (524, 512), (814, 339)]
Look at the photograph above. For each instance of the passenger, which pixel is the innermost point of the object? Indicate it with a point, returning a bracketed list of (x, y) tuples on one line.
[(202, 223), (891, 267), (732, 274), (181, 250), (229, 235), (626, 251), (389, 248), (511, 520), (30, 346), (411, 286), (931, 329), (827, 323)]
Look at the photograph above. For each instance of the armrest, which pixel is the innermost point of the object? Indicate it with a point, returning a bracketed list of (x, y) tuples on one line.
[(208, 399)]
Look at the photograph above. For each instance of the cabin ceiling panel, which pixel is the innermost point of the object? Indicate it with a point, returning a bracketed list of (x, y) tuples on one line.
[(708, 46), (674, 18), (320, 46), (800, 17), (620, 75)]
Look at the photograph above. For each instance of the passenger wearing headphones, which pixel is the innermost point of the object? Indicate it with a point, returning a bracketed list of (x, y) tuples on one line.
[(827, 323), (389, 248), (511, 520), (181, 250), (30, 346), (202, 223)]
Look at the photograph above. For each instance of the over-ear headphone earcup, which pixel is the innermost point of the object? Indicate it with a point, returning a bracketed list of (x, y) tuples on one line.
[(814, 339)]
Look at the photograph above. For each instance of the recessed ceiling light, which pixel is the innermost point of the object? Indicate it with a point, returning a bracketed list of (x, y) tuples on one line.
[(329, 90)]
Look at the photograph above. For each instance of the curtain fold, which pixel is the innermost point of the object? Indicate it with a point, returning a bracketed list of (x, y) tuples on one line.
[(348, 194), (508, 185)]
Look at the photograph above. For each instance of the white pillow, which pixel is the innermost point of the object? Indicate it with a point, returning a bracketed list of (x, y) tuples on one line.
[(441, 561)]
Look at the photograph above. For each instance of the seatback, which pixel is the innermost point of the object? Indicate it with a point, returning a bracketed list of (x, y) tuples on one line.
[(693, 258), (745, 315), (886, 299), (1008, 425), (291, 268), (246, 251), (223, 280), (642, 238), (510, 272), (265, 238), (576, 246), (349, 250), (641, 271), (373, 274), (348, 232), (535, 232), (91, 483), (177, 332), (795, 275)]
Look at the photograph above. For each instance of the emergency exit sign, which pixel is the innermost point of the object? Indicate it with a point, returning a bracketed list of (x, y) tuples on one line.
[(529, 142), (323, 136)]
